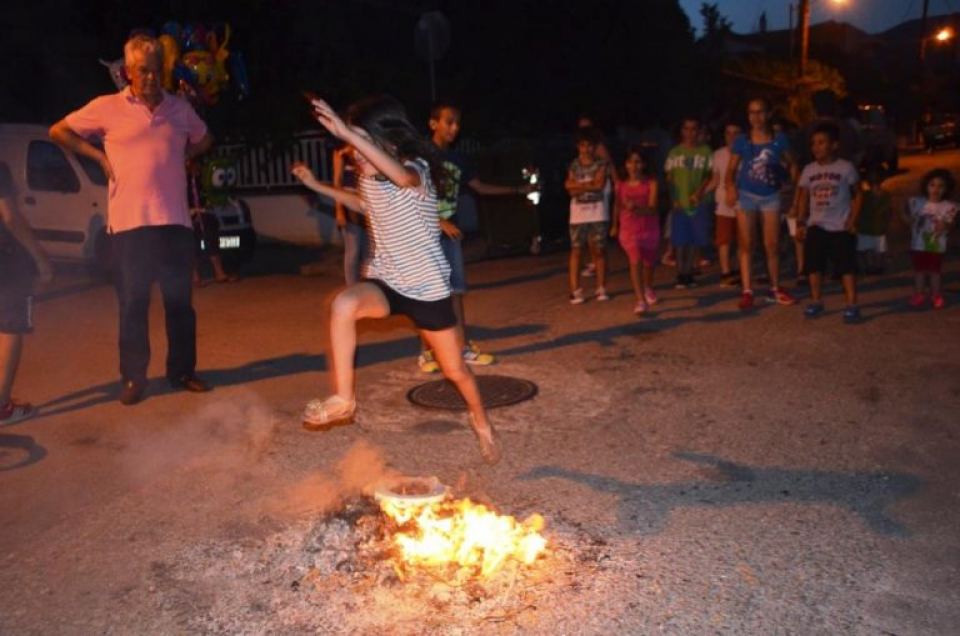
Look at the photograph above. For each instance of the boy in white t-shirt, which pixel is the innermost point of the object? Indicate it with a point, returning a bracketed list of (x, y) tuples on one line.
[(829, 202), (589, 216)]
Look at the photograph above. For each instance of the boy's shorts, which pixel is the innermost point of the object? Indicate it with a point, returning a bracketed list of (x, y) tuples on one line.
[(453, 250), (429, 315), (750, 202), (872, 243), (16, 310), (821, 245), (690, 229), (726, 230), (593, 233)]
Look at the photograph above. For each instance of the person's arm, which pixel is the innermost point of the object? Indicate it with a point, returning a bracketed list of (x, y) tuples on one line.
[(389, 167), (573, 186), (24, 235), (617, 208), (856, 204), (793, 167), (61, 133), (490, 189), (349, 199), (339, 212), (730, 179), (803, 211), (199, 148), (654, 194)]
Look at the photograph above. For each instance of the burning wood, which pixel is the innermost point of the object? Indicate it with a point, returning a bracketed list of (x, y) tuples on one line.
[(457, 538)]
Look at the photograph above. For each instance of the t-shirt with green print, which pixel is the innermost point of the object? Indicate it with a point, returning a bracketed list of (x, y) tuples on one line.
[(687, 168)]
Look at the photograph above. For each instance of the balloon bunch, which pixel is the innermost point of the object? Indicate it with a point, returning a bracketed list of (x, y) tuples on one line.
[(196, 63)]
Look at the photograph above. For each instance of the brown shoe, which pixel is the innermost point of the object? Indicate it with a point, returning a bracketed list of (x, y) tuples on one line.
[(190, 383), (131, 392)]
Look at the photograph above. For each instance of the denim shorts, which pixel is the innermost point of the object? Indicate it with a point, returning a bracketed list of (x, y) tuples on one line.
[(750, 202), (593, 233), (453, 250)]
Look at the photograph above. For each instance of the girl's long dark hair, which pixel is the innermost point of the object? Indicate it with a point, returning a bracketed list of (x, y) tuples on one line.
[(385, 119)]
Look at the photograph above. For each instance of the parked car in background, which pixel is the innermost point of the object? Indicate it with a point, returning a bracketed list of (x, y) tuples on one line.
[(939, 129), (63, 197), (879, 137)]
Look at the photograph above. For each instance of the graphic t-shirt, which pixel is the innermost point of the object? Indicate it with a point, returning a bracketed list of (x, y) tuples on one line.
[(761, 170), (874, 213), (459, 173), (588, 207), (721, 159), (406, 233), (930, 223), (828, 186), (686, 170)]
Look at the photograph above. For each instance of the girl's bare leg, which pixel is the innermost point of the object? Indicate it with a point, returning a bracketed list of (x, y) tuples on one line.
[(935, 279), (648, 277), (446, 348), (574, 269), (600, 262), (723, 253), (745, 230), (849, 283), (363, 300), (771, 244), (919, 282), (635, 280)]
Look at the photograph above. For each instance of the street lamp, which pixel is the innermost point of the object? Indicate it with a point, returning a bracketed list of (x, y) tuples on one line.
[(942, 36)]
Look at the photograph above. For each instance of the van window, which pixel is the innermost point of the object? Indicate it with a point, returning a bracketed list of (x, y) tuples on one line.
[(48, 169), (94, 172)]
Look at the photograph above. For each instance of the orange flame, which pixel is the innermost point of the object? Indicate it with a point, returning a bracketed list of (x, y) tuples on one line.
[(464, 534)]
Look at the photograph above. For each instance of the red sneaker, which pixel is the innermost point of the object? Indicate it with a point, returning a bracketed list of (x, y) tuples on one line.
[(939, 302), (746, 300), (14, 411), (916, 301), (780, 296)]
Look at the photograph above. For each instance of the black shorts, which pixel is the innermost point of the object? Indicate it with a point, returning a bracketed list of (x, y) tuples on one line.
[(429, 315), (16, 309), (821, 246)]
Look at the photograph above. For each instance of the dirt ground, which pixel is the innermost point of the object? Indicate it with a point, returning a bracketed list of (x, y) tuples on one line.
[(700, 470)]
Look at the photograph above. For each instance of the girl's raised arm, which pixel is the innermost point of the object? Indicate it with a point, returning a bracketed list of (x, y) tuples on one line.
[(345, 198), (361, 142)]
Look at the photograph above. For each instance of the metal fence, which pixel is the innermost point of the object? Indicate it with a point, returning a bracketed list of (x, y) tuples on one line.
[(266, 167)]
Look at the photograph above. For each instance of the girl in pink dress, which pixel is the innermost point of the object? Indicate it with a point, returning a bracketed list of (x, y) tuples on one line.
[(637, 223)]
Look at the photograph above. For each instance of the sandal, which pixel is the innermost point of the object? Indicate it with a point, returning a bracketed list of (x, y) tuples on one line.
[(321, 415), (489, 446)]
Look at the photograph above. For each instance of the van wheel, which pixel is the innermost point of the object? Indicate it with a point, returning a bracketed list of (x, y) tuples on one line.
[(101, 265)]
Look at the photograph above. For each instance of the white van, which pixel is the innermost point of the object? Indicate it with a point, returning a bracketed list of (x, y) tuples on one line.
[(63, 197)]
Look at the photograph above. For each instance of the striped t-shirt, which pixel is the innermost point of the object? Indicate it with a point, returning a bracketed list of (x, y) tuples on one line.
[(406, 236)]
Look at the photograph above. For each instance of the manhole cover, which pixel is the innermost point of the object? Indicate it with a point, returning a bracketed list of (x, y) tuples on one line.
[(496, 390)]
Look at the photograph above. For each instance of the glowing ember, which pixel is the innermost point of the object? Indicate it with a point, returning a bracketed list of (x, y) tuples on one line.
[(462, 534)]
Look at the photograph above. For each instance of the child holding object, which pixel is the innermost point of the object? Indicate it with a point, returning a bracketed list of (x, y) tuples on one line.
[(930, 216), (408, 273), (637, 224)]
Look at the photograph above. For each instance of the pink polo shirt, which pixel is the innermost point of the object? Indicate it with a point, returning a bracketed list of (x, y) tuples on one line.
[(147, 152)]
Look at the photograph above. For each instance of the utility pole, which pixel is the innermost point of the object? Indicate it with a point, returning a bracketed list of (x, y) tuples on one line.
[(923, 32), (803, 18)]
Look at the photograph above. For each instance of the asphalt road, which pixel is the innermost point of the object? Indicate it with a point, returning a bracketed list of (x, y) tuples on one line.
[(766, 473)]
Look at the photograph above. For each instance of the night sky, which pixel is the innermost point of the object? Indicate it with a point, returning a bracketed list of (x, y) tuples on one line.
[(873, 16)]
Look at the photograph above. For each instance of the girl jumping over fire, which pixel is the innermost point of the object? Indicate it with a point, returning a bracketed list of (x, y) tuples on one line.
[(408, 273)]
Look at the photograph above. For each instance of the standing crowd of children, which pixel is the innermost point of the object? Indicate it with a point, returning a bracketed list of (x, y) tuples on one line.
[(837, 220)]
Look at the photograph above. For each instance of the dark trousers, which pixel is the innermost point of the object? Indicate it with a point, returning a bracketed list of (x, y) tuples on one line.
[(162, 254)]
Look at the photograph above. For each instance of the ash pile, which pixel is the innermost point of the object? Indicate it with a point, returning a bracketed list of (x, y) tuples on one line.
[(340, 574)]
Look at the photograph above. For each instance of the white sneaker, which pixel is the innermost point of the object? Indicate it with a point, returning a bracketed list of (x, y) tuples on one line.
[(602, 294), (323, 414), (576, 298)]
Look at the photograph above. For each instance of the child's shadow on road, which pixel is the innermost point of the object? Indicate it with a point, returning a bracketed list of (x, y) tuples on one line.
[(644, 508)]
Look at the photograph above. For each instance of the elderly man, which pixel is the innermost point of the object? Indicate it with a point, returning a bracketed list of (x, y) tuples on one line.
[(148, 134)]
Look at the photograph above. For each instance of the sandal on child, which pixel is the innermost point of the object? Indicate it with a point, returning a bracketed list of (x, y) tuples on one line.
[(321, 415), (489, 447)]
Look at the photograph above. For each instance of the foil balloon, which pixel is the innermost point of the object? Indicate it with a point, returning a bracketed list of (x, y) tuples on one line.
[(171, 53), (194, 37), (220, 55), (201, 64)]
